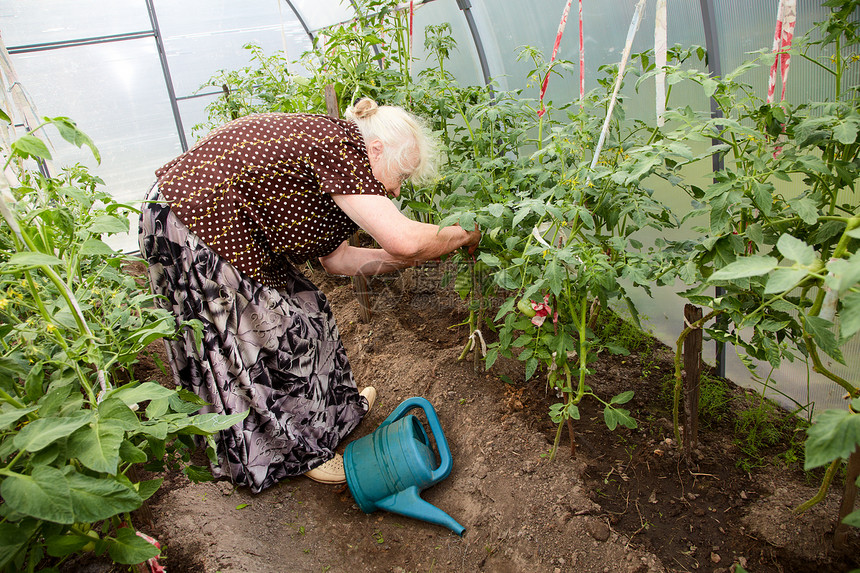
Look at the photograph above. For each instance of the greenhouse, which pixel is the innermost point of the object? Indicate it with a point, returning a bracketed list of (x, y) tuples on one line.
[(439, 285)]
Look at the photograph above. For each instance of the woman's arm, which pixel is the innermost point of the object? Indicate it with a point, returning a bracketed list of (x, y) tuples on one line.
[(352, 261), (404, 242)]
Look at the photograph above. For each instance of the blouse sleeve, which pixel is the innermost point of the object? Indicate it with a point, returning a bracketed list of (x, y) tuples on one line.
[(341, 164)]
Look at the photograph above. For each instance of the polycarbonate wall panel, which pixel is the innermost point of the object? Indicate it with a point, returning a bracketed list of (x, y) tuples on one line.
[(319, 14), (193, 114), (746, 27), (464, 64), (202, 37), (42, 21), (115, 92)]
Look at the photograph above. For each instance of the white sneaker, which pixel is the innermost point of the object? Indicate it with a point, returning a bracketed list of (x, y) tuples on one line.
[(370, 394), (331, 472)]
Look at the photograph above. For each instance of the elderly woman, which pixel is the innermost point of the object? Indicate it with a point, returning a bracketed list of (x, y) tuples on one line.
[(224, 230)]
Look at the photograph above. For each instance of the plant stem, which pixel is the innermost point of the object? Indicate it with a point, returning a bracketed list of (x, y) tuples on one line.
[(10, 399), (822, 491)]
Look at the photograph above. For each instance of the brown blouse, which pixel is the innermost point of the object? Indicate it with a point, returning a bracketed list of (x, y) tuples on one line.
[(257, 189)]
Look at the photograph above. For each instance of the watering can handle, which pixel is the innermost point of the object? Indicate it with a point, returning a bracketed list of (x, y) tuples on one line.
[(445, 461)]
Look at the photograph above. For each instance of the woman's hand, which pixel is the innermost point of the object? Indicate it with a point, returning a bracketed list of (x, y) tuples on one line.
[(405, 240), (474, 240)]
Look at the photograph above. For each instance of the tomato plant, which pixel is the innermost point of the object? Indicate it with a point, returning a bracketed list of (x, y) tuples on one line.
[(73, 419), (776, 229)]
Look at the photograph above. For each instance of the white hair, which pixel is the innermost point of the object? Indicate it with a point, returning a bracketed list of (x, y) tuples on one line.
[(408, 146)]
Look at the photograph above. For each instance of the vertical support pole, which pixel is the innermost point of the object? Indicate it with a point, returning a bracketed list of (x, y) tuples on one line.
[(692, 374), (712, 45), (168, 79), (359, 282), (840, 536)]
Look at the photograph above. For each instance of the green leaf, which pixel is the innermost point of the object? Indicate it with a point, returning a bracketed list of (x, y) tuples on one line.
[(242, 506), (610, 417), (9, 416), (531, 367), (31, 259), (96, 247), (157, 430), (14, 537), (141, 392), (130, 453), (852, 519), (129, 549), (745, 267), (556, 413), (806, 208), (30, 146), (783, 279), (45, 431), (622, 416), (755, 234), (66, 544), (622, 398), (834, 434), (849, 315), (147, 488), (210, 423), (112, 408), (492, 356), (490, 259), (521, 341), (496, 209), (795, 250), (845, 132), (763, 195), (94, 499), (97, 445), (768, 325), (822, 331), (44, 495), (108, 224), (70, 132), (846, 273), (190, 397)]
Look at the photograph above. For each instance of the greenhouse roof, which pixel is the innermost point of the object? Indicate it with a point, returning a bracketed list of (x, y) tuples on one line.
[(135, 77)]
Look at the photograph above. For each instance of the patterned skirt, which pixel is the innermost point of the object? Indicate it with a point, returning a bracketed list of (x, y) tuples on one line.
[(275, 353)]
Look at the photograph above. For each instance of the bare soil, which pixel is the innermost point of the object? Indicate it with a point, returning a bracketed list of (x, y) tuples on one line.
[(628, 502)]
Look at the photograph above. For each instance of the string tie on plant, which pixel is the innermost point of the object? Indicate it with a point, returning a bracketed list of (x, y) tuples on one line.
[(476, 335)]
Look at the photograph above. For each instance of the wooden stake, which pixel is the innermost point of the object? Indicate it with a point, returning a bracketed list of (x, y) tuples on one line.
[(692, 373), (840, 536), (359, 282)]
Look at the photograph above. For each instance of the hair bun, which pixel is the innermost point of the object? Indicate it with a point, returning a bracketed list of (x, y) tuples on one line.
[(364, 108)]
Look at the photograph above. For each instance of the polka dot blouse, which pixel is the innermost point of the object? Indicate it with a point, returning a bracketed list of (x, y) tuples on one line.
[(257, 190)]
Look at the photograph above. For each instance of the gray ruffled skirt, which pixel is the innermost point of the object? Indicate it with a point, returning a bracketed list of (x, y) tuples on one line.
[(274, 352)]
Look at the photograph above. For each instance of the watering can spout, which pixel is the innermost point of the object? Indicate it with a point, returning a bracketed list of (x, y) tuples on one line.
[(410, 504)]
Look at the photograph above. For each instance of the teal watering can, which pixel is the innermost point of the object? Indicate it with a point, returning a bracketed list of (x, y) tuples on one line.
[(390, 467)]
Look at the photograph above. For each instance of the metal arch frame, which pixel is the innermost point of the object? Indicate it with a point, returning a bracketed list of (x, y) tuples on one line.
[(168, 79), (466, 7), (301, 20)]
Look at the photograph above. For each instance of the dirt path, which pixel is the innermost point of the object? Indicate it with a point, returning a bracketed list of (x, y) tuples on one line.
[(625, 504)]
